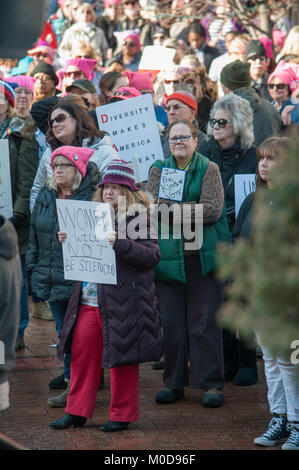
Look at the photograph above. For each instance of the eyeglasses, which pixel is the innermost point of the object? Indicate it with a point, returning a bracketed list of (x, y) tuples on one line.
[(43, 78), (167, 82), (76, 74), (279, 86), (181, 138), (175, 107), (59, 118), (221, 122), (256, 57), (129, 44), (63, 166), (42, 54)]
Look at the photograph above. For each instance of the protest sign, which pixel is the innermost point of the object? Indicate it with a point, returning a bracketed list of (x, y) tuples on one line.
[(244, 185), (134, 133), (5, 184), (87, 255), (172, 184), (157, 58)]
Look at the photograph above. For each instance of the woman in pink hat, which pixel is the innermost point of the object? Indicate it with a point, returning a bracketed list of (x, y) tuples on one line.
[(280, 84), (115, 326), (77, 68), (84, 30), (130, 54)]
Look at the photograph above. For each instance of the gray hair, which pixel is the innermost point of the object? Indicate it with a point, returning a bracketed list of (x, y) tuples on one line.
[(242, 118), (77, 179)]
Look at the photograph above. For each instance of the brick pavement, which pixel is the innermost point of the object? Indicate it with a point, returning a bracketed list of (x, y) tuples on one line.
[(185, 425)]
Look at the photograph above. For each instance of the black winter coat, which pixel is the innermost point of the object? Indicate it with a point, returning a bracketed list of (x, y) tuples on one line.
[(130, 311), (44, 257), (231, 161)]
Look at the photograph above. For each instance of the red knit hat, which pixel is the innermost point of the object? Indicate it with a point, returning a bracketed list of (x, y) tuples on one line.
[(185, 97), (79, 156)]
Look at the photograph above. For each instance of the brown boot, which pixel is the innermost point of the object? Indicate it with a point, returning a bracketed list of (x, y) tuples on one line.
[(60, 400), (41, 310)]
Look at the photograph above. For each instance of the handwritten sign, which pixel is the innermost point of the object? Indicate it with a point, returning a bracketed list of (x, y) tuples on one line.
[(5, 184), (172, 184), (134, 133), (244, 185), (87, 255)]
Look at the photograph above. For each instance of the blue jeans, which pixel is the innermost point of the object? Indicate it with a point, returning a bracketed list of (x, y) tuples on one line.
[(24, 311), (58, 309)]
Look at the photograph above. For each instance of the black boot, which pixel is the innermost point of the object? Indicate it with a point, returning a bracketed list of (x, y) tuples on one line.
[(67, 421), (114, 426)]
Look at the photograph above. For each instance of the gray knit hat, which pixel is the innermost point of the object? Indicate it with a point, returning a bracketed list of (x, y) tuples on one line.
[(236, 75)]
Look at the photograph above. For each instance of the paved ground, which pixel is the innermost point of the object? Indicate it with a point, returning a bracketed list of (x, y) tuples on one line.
[(185, 425)]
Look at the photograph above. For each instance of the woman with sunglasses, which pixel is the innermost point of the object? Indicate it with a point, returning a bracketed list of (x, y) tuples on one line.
[(73, 176), (130, 54), (189, 293), (279, 86), (231, 147)]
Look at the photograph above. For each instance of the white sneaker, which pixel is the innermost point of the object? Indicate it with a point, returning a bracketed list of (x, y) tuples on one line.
[(276, 432), (293, 441)]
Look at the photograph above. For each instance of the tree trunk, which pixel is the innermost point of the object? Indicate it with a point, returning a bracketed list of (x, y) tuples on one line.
[(264, 19)]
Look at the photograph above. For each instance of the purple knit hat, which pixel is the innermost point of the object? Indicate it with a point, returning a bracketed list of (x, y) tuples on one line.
[(120, 172)]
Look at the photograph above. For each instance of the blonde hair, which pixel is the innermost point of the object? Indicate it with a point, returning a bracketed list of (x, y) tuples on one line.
[(77, 179), (291, 44), (132, 197), (90, 9)]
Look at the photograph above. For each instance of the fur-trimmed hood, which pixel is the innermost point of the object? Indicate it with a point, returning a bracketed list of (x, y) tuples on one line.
[(26, 128)]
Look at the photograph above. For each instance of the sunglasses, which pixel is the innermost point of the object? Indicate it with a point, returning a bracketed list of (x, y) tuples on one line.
[(59, 118), (181, 138), (63, 166), (175, 107), (256, 57), (129, 44), (279, 86), (221, 122), (167, 82)]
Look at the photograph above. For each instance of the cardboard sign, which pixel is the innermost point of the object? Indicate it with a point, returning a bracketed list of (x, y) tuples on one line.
[(134, 132), (87, 255), (244, 185), (6, 208), (172, 184), (157, 58)]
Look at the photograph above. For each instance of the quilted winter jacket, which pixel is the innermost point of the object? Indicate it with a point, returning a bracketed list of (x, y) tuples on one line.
[(44, 257), (129, 310)]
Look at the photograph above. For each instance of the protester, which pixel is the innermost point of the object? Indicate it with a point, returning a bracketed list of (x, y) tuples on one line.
[(281, 375), (72, 178), (100, 323), (256, 56), (23, 157), (235, 78), (42, 52), (131, 20), (130, 54), (110, 82), (75, 69), (197, 39), (182, 105), (109, 22), (187, 288), (231, 147), (10, 293), (86, 89), (46, 81), (62, 19), (290, 49), (83, 31)]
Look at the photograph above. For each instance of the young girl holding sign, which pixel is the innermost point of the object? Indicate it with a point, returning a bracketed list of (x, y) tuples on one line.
[(115, 326)]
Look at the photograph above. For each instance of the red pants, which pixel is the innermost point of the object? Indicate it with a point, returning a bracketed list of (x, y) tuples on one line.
[(86, 371)]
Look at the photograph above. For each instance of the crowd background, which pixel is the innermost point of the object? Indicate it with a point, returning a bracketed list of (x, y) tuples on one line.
[(231, 85)]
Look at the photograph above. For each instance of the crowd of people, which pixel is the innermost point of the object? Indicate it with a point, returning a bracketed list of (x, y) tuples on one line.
[(226, 104)]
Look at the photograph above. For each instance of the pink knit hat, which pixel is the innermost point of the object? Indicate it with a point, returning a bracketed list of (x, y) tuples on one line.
[(78, 156), (135, 38), (124, 93), (86, 65), (141, 81), (43, 46), (288, 73), (108, 3), (23, 80), (267, 45)]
